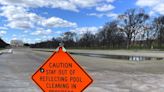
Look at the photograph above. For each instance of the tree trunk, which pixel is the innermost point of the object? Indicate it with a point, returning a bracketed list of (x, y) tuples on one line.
[(128, 43)]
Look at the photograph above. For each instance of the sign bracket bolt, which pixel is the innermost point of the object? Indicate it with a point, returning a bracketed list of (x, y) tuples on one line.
[(41, 70)]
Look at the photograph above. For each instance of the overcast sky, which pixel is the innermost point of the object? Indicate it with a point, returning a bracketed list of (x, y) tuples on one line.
[(38, 20)]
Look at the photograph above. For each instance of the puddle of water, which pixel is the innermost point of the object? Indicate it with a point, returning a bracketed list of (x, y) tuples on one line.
[(122, 57)]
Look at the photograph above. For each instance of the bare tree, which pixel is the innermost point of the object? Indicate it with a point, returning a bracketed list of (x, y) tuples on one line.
[(69, 39), (87, 40), (110, 36), (132, 21), (159, 26), (2, 43)]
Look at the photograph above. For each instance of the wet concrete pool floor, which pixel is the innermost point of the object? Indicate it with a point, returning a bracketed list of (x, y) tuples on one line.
[(121, 57)]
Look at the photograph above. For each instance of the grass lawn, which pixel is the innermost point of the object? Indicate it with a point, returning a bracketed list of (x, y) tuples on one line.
[(2, 48)]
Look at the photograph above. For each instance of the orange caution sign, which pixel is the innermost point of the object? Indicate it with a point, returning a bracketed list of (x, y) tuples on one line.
[(61, 73)]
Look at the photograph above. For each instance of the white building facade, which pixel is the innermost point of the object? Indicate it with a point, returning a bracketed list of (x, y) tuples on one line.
[(16, 43)]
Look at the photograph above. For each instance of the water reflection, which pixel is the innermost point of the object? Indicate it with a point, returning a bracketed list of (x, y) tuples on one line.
[(136, 58), (141, 58)]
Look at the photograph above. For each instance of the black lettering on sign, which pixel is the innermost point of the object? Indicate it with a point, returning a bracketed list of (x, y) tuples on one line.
[(53, 78), (57, 85), (60, 65), (72, 72), (49, 72), (62, 72), (60, 90), (74, 86), (75, 79)]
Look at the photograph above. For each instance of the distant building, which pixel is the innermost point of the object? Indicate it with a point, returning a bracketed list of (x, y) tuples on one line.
[(16, 43)]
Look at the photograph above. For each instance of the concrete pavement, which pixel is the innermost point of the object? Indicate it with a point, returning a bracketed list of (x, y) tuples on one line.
[(16, 69), (109, 75)]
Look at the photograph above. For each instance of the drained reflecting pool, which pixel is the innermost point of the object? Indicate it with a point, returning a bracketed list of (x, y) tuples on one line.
[(122, 57)]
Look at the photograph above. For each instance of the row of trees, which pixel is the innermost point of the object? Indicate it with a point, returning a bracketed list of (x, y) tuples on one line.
[(132, 29), (3, 44)]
